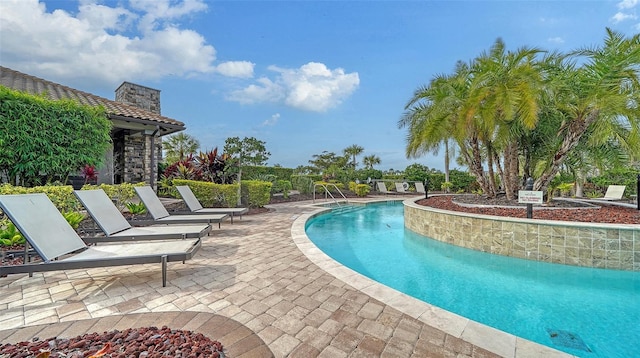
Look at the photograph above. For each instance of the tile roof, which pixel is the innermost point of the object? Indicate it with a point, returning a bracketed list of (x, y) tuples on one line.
[(26, 83)]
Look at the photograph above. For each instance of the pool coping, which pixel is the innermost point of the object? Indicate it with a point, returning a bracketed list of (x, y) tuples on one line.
[(483, 336)]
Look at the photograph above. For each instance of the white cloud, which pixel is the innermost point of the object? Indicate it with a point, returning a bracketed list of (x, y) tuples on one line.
[(264, 91), (620, 16), (104, 45), (271, 121), (556, 40), (312, 87), (100, 17), (240, 69), (627, 4), (157, 12)]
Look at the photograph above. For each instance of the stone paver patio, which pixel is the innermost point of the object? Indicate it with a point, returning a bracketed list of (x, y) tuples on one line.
[(262, 289)]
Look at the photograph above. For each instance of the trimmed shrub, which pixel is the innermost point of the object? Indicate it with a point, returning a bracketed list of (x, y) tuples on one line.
[(256, 194), (304, 183), (352, 186), (212, 194), (61, 195), (281, 186), (65, 201), (121, 194), (362, 189)]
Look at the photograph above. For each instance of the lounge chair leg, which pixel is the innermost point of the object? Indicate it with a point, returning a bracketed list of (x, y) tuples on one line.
[(26, 258), (164, 270)]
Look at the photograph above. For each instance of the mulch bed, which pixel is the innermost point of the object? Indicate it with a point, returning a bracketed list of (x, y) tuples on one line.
[(557, 210), (148, 342)]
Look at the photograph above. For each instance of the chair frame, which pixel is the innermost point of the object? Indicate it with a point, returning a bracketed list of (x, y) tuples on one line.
[(161, 215), (60, 247), (116, 227), (196, 207)]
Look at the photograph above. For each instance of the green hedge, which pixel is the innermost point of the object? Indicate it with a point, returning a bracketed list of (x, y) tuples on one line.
[(121, 194), (63, 198), (212, 194), (304, 183), (622, 176), (43, 141), (281, 186), (61, 195), (256, 193), (250, 172)]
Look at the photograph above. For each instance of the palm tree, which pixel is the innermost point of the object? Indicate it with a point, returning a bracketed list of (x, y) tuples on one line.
[(505, 107), (370, 160), (178, 146), (601, 98), (353, 151), (505, 93), (433, 116), (484, 107)]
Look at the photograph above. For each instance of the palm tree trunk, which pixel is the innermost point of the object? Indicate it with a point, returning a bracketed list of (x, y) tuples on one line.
[(511, 167), (575, 130), (446, 162), (500, 168), (491, 192), (475, 164), (579, 185)]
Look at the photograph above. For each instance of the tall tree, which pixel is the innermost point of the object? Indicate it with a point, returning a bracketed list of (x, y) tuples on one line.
[(178, 147), (353, 151), (505, 93), (370, 160), (602, 95), (326, 160), (434, 117), (246, 151)]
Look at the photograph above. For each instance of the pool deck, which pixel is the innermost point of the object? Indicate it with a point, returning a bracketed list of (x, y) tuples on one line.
[(262, 289)]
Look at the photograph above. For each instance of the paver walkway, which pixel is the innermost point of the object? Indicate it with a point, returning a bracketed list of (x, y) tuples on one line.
[(251, 287)]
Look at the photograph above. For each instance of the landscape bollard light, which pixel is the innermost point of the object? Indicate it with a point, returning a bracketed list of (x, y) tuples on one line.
[(529, 186), (426, 187)]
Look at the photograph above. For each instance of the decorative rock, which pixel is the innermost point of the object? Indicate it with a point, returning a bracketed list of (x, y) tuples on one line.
[(143, 342)]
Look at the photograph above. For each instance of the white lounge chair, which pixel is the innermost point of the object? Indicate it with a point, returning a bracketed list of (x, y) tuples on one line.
[(420, 187), (402, 188), (614, 192), (161, 215), (60, 247), (196, 208), (382, 187), (116, 227)]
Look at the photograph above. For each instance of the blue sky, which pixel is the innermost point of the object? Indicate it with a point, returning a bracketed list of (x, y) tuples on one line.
[(302, 76)]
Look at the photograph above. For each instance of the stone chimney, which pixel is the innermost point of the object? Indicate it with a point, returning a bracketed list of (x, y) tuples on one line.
[(139, 96)]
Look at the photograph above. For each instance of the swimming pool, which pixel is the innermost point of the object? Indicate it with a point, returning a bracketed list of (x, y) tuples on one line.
[(582, 311)]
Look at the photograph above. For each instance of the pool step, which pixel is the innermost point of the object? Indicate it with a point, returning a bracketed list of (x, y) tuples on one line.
[(345, 209)]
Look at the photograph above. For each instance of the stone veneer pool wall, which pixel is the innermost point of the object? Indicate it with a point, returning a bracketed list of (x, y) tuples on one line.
[(609, 246)]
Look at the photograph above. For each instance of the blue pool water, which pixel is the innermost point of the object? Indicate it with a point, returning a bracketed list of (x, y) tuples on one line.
[(582, 311)]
